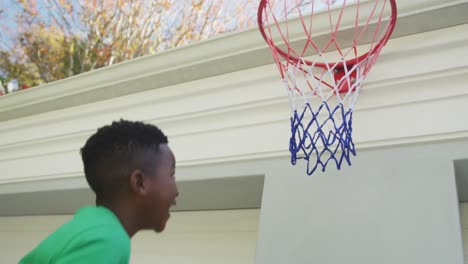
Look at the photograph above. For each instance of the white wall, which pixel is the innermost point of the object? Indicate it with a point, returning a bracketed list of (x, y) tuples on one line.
[(211, 237), (393, 205)]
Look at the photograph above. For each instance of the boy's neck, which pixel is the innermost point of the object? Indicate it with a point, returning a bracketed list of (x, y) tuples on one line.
[(123, 213)]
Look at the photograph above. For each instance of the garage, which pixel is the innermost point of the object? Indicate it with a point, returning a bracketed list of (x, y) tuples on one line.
[(215, 221)]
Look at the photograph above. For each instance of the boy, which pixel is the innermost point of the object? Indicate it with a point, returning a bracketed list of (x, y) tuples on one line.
[(131, 169)]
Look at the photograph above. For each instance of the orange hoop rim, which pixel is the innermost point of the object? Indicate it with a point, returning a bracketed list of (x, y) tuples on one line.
[(348, 63)]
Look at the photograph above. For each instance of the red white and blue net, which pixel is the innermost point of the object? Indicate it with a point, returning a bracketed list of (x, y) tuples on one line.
[(324, 50)]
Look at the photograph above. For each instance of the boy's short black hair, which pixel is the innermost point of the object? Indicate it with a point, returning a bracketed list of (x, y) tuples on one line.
[(115, 150)]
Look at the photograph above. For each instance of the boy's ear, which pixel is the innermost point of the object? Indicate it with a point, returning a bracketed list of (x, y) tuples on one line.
[(138, 182)]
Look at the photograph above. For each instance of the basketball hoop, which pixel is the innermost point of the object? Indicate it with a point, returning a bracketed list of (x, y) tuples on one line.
[(324, 50)]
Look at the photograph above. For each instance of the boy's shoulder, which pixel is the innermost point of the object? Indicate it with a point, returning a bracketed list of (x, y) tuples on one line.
[(93, 223), (89, 223), (92, 229)]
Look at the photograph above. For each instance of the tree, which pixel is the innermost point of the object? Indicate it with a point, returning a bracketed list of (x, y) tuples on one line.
[(55, 39)]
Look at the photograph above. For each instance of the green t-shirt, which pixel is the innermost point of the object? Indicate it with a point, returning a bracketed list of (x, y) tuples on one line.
[(94, 235)]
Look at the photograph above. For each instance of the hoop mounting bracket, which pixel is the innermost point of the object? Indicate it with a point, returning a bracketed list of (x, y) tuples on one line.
[(344, 83)]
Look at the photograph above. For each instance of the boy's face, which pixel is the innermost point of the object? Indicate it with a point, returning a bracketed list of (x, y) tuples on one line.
[(162, 190)]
